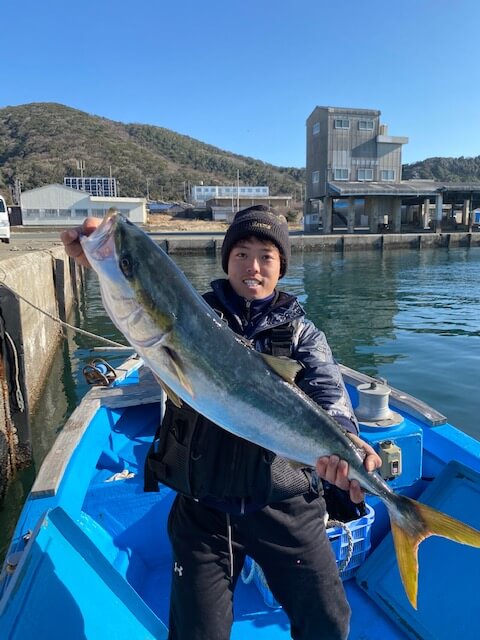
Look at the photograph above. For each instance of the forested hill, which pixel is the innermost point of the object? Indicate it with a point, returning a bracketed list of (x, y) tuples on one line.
[(444, 169), (40, 143)]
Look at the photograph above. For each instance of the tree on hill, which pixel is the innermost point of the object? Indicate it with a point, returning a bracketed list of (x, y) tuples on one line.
[(444, 170), (40, 143)]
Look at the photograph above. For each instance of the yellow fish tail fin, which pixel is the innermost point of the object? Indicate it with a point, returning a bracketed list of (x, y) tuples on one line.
[(411, 524)]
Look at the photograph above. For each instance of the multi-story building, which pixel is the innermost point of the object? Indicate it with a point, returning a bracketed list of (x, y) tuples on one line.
[(347, 146)]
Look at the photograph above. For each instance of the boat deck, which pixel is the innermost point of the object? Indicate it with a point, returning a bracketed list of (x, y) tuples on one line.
[(132, 536), (100, 545)]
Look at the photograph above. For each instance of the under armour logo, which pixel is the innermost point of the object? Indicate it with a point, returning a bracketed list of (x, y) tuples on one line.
[(178, 569)]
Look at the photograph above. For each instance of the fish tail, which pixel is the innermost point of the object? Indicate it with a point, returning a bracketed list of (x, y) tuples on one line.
[(411, 523)]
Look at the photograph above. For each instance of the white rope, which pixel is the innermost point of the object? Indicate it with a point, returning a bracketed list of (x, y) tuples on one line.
[(18, 392), (346, 561), (230, 547), (64, 324)]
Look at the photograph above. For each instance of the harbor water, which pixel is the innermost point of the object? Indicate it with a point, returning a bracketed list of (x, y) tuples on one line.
[(410, 317)]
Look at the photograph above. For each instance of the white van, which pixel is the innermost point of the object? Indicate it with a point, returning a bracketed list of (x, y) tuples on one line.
[(4, 222)]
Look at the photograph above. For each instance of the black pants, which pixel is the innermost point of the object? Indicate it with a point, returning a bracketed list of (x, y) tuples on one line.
[(288, 541)]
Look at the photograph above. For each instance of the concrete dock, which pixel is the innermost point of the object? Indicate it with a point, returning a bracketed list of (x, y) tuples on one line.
[(29, 338)]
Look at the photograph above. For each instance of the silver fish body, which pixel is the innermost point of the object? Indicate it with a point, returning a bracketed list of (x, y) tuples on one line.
[(199, 357), (203, 362)]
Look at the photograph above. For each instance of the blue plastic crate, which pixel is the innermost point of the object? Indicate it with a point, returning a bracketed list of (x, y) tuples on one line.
[(360, 531)]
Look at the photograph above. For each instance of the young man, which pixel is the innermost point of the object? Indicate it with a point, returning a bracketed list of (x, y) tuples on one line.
[(236, 498)]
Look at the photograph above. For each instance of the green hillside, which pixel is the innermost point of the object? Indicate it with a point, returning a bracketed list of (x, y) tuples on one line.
[(40, 143), (444, 170)]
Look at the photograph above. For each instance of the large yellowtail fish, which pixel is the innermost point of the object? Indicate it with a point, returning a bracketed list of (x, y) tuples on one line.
[(198, 359)]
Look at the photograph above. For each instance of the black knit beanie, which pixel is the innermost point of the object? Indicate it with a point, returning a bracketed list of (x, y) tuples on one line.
[(262, 222)]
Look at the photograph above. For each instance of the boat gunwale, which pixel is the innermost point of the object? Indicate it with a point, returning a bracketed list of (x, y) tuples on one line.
[(56, 461)]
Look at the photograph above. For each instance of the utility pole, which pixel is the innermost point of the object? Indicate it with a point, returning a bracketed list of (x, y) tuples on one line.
[(16, 191), (238, 190), (81, 167)]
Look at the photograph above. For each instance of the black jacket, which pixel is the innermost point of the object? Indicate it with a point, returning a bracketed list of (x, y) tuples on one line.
[(199, 459), (321, 378)]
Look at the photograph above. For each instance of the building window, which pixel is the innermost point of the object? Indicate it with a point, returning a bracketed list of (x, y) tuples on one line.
[(365, 125), (340, 174), (341, 123), (316, 128), (315, 177), (387, 175), (80, 213), (365, 174)]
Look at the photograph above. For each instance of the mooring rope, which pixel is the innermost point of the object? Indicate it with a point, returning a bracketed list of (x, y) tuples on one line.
[(18, 392), (112, 343), (346, 561)]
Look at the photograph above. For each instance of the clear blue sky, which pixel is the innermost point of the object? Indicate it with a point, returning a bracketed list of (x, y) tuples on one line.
[(244, 75)]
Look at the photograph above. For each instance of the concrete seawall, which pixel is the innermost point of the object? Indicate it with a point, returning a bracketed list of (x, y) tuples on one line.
[(212, 243), (29, 340)]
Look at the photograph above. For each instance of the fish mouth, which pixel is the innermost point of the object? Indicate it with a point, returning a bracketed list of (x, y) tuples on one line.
[(100, 244)]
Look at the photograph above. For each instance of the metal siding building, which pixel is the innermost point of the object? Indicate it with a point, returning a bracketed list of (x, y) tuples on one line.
[(349, 145), (57, 205)]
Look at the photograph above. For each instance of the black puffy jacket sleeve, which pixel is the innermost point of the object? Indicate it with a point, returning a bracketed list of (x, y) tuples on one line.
[(321, 378)]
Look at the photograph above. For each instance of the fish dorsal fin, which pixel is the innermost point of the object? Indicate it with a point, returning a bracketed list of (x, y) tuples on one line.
[(178, 371), (286, 368), (171, 395)]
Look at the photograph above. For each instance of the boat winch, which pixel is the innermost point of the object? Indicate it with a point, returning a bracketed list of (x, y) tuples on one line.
[(373, 408), (376, 421)]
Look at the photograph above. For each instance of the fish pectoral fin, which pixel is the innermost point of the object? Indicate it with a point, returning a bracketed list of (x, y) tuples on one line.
[(286, 368), (423, 522), (171, 395), (176, 365)]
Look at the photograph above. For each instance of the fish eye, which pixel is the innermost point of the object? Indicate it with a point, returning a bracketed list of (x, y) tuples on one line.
[(126, 265)]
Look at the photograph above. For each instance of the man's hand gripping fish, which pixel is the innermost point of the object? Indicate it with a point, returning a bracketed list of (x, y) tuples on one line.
[(200, 360)]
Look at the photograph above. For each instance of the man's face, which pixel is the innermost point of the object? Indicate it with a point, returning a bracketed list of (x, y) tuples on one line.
[(254, 268)]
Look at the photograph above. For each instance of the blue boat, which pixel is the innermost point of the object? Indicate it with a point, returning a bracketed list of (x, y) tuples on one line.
[(90, 557)]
